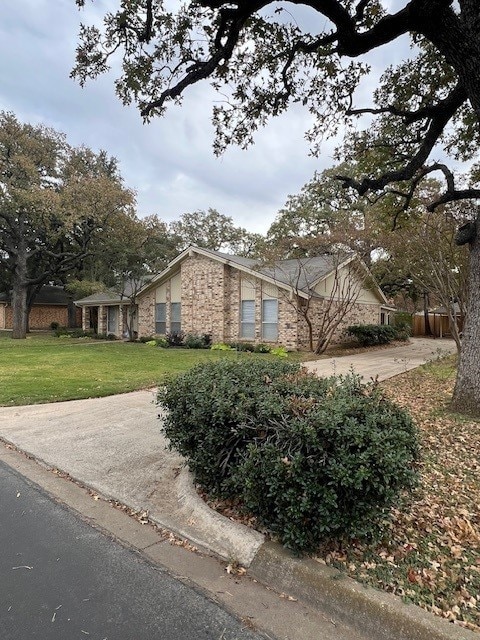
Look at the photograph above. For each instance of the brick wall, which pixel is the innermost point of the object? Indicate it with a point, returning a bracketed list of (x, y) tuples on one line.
[(287, 316), (231, 305), (203, 297), (86, 318), (146, 314), (41, 317), (288, 322), (210, 298), (359, 314)]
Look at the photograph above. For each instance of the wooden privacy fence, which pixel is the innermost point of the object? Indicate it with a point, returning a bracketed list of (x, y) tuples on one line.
[(439, 325)]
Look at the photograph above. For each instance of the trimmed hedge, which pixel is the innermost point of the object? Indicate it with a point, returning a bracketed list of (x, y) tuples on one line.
[(311, 458)]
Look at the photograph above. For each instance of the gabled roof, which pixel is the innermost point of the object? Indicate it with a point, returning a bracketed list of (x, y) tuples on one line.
[(48, 295), (102, 297), (112, 296), (299, 275)]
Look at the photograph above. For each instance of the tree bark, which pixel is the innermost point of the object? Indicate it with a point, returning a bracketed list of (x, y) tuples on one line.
[(20, 296), (453, 324), (72, 315), (466, 396), (19, 309), (426, 315)]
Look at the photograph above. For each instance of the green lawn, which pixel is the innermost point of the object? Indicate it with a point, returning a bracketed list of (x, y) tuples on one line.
[(47, 369)]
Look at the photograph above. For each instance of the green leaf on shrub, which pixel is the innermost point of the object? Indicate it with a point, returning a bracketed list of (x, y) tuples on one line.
[(311, 458)]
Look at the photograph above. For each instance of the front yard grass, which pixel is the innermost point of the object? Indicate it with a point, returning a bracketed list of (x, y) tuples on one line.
[(43, 368), (430, 554)]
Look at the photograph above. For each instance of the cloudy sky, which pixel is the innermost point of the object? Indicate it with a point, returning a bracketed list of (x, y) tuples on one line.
[(169, 162)]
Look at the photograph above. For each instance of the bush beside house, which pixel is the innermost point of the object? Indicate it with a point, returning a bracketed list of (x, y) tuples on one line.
[(369, 335)]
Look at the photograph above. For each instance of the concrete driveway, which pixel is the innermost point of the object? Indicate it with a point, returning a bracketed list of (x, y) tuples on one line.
[(114, 446), (385, 363)]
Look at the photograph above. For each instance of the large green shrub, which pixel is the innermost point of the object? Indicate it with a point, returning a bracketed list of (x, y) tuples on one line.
[(212, 411), (312, 458), (369, 335), (403, 323)]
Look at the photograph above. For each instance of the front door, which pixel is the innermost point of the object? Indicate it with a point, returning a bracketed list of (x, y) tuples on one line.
[(93, 319), (112, 320)]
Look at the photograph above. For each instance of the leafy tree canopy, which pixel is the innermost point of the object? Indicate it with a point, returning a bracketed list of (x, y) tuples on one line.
[(213, 230), (262, 60), (325, 214), (423, 114), (53, 200)]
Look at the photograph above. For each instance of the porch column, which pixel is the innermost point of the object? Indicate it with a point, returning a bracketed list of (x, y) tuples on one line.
[(102, 319)]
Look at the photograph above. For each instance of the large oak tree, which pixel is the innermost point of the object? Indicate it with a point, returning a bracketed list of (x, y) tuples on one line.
[(53, 199), (258, 55)]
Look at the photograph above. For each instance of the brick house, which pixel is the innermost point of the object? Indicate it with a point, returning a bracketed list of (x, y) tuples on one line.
[(52, 304), (239, 299), (233, 298)]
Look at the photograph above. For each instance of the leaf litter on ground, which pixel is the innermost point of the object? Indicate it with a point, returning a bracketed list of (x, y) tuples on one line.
[(430, 553)]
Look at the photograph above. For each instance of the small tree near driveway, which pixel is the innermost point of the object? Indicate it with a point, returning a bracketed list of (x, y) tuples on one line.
[(323, 304)]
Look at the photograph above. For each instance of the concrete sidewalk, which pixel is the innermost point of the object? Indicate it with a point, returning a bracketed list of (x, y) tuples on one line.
[(114, 446)]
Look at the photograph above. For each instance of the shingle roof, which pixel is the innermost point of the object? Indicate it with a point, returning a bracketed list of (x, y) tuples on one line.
[(301, 273), (48, 295), (110, 296), (100, 297)]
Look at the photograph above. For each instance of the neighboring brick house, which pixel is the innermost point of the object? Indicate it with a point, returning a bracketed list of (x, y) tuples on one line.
[(237, 299), (52, 304)]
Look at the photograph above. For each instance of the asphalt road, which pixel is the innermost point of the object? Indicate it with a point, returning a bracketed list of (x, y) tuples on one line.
[(61, 579)]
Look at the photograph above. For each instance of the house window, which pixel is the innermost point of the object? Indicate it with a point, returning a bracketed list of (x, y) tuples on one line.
[(270, 319), (161, 317), (247, 308), (247, 319), (175, 317)]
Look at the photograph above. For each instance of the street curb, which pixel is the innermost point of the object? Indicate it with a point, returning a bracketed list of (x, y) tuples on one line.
[(380, 615), (233, 541), (372, 612), (193, 520)]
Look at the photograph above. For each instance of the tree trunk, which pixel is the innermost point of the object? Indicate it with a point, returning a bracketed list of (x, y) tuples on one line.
[(32, 292), (453, 325), (426, 315), (466, 396), (310, 331), (71, 315), (20, 312), (321, 346), (19, 301)]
